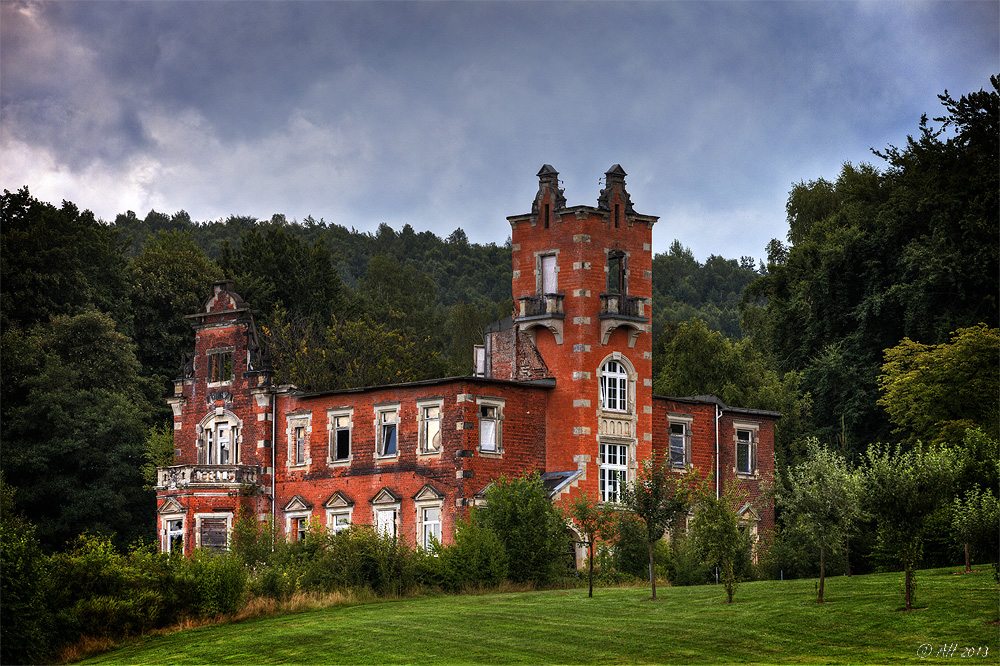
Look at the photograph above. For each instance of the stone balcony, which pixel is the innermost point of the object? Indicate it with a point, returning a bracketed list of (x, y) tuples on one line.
[(544, 310), (543, 305), (215, 477), (617, 305), (620, 311)]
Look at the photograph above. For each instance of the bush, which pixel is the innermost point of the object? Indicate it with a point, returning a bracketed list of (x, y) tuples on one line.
[(27, 622), (529, 527), (358, 557), (688, 565), (631, 553), (476, 558), (221, 581)]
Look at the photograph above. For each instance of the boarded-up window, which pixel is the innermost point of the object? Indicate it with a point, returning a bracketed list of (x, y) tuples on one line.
[(213, 534), (549, 285)]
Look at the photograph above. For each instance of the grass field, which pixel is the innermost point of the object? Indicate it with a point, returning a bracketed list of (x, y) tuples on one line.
[(770, 622)]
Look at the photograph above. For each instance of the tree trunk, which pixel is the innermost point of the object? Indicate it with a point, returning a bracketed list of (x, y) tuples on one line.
[(590, 573), (968, 563), (847, 556), (652, 571), (822, 572), (907, 586)]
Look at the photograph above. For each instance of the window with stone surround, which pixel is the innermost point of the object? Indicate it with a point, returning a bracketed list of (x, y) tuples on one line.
[(338, 521), (612, 471), (220, 366), (175, 534), (548, 282), (745, 439), (301, 528), (429, 502), (298, 432), (614, 386), (385, 520), (218, 438), (387, 431), (212, 531), (431, 524), (429, 426), (339, 424), (298, 513)]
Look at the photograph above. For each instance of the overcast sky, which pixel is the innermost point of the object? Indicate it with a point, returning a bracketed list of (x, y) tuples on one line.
[(439, 114)]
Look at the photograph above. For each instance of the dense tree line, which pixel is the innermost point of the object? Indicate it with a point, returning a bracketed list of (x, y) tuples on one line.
[(881, 255)]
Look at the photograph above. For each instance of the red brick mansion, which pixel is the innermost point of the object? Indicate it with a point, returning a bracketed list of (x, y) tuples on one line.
[(564, 387)]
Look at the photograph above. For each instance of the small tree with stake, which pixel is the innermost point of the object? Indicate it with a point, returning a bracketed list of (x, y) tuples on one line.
[(902, 488), (822, 496), (719, 536), (659, 499), (592, 522)]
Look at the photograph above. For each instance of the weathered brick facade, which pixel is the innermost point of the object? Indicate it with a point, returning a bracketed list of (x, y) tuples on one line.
[(564, 387)]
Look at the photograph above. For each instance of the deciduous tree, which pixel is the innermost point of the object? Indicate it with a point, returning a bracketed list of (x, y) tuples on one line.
[(974, 521), (720, 537), (533, 534), (592, 520), (660, 499), (823, 496), (902, 488), (934, 392)]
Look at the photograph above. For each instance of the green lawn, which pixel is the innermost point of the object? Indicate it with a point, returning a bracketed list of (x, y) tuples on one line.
[(771, 622)]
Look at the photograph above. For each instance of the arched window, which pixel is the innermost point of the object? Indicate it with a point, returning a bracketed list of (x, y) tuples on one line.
[(614, 387), (218, 439)]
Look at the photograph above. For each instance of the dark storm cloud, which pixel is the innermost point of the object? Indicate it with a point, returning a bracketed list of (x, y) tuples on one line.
[(439, 114)]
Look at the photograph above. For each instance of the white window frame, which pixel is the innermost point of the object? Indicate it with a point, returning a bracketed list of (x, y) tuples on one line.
[(209, 449), (294, 421), (613, 468), (382, 510), (424, 426), (333, 427), (753, 432), (496, 404), (620, 378), (381, 411), (435, 525), (333, 524), (684, 422), (301, 525), (168, 518), (292, 519)]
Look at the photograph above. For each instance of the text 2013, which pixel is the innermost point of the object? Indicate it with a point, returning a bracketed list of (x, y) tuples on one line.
[(951, 650)]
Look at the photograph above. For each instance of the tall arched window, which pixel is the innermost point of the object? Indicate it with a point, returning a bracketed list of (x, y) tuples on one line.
[(218, 439), (614, 387)]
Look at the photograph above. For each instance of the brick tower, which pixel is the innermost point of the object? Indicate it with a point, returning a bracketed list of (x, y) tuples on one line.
[(582, 285)]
